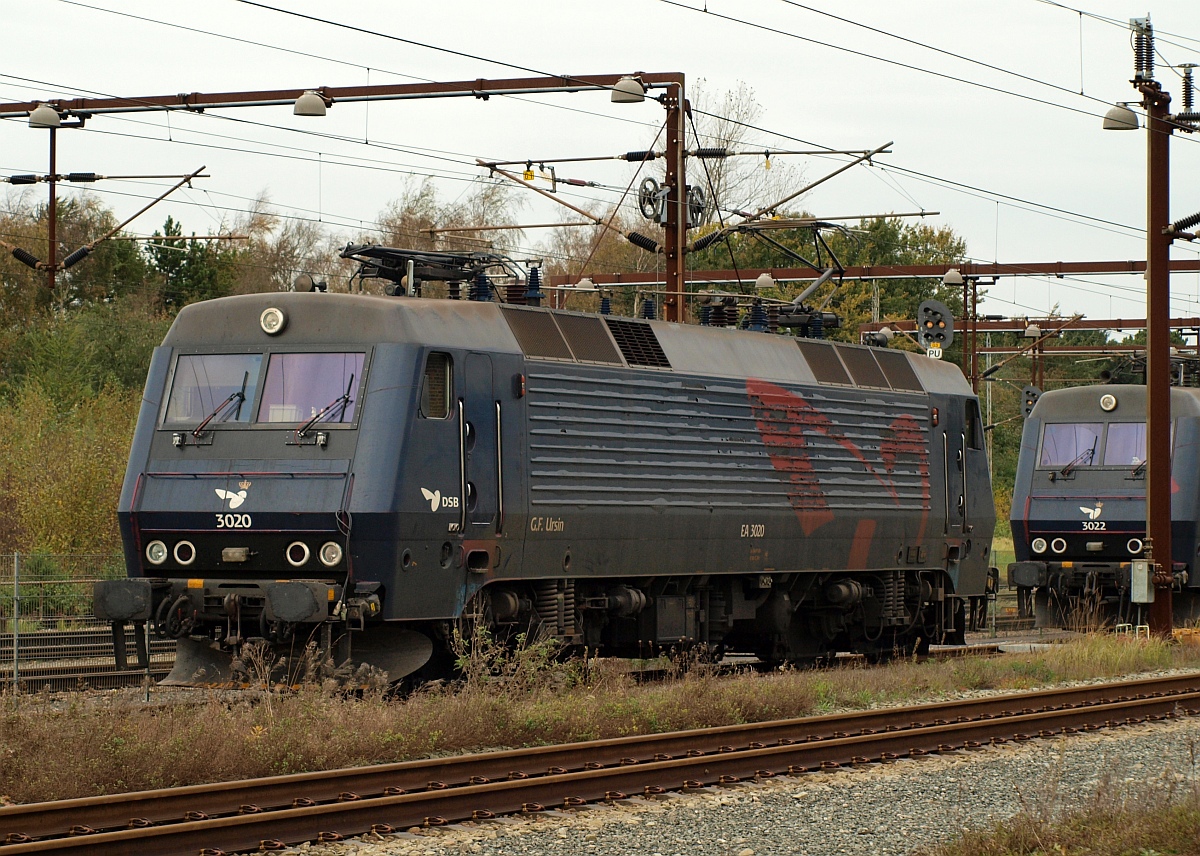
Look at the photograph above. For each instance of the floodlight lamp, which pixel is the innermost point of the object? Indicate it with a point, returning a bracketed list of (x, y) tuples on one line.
[(585, 284), (1120, 118), (1033, 331), (764, 280), (44, 116), (952, 277), (310, 103), (629, 90)]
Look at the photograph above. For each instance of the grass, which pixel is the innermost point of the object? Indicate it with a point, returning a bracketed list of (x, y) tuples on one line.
[(1147, 819), (51, 748)]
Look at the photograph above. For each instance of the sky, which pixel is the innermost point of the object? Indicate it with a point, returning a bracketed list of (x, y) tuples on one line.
[(982, 103)]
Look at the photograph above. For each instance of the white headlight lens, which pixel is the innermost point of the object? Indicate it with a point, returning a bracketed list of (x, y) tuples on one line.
[(156, 552), (297, 553), (1108, 402), (272, 321), (185, 552), (1038, 545), (331, 554)]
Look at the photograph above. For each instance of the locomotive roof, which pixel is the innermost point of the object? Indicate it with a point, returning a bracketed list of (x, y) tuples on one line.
[(1083, 402), (349, 320)]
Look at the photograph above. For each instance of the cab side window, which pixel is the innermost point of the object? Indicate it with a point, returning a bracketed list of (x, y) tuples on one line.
[(974, 426), (437, 386)]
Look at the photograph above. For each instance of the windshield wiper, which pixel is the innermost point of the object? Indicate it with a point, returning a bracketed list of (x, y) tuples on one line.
[(239, 395), (1138, 470), (342, 402), (1085, 455)]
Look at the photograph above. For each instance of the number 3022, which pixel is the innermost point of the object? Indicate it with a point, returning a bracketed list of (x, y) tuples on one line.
[(233, 521)]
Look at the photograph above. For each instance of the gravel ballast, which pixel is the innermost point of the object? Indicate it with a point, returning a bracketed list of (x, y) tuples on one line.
[(883, 809)]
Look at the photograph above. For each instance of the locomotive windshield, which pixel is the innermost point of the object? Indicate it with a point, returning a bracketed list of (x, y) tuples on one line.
[(1079, 444), (1126, 444), (223, 388), (299, 386), (203, 381), (1072, 442)]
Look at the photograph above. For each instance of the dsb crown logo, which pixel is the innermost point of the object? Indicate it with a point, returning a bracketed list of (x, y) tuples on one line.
[(436, 500)]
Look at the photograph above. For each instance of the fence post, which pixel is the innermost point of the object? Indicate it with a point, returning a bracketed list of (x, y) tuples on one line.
[(16, 620)]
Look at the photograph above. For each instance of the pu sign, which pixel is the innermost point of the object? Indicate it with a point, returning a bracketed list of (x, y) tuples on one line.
[(934, 351)]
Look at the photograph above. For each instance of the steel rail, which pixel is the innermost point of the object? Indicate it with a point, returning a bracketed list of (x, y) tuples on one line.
[(400, 792), (484, 800)]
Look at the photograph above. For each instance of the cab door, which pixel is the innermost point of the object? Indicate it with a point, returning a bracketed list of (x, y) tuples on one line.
[(479, 410), (951, 438)]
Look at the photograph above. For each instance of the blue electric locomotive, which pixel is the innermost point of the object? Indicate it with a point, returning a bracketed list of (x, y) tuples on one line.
[(366, 473), (1079, 504)]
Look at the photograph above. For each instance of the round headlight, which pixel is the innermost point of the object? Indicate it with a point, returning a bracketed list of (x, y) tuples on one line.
[(156, 552), (330, 554), (297, 553), (1059, 545), (272, 321), (185, 552), (1134, 546), (1038, 545), (1108, 402)]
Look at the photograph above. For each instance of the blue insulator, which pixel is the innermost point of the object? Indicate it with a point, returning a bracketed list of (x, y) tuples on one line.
[(534, 296), (648, 308), (705, 314), (816, 328), (606, 306), (757, 317), (481, 288)]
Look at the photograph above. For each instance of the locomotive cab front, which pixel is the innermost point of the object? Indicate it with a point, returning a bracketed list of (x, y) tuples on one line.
[(235, 513)]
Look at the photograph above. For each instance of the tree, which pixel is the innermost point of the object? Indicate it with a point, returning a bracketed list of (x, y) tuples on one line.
[(191, 269)]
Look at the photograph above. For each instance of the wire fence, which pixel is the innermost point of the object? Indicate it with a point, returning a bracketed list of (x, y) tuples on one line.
[(49, 633)]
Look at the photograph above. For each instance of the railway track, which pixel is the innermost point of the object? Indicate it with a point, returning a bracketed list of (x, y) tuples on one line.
[(59, 677), (327, 806)]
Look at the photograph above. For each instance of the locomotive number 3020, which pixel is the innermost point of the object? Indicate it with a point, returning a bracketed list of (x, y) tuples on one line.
[(233, 521), (754, 530)]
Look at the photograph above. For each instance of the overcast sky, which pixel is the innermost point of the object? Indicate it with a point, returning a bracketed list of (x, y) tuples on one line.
[(985, 159)]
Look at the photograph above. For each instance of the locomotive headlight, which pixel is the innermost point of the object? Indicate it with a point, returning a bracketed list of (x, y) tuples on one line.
[(330, 554), (1059, 545), (1038, 545), (1108, 402), (272, 321), (1134, 546), (297, 553), (156, 552), (185, 552)]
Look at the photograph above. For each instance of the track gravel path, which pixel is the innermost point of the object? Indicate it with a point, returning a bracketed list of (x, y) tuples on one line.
[(884, 809)]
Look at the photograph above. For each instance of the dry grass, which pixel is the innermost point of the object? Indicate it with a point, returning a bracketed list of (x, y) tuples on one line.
[(51, 749), (1147, 818)]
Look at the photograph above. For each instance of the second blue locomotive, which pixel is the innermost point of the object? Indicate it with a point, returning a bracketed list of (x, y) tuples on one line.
[(1079, 505)]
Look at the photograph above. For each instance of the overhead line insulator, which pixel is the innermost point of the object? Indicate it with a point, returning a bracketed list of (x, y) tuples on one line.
[(26, 258), (645, 242)]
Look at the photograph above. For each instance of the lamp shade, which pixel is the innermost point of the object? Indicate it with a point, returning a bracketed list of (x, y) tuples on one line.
[(309, 104), (1120, 118), (628, 90), (952, 277), (44, 116), (764, 280)]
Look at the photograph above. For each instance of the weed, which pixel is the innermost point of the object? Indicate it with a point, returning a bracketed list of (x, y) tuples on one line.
[(516, 692)]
